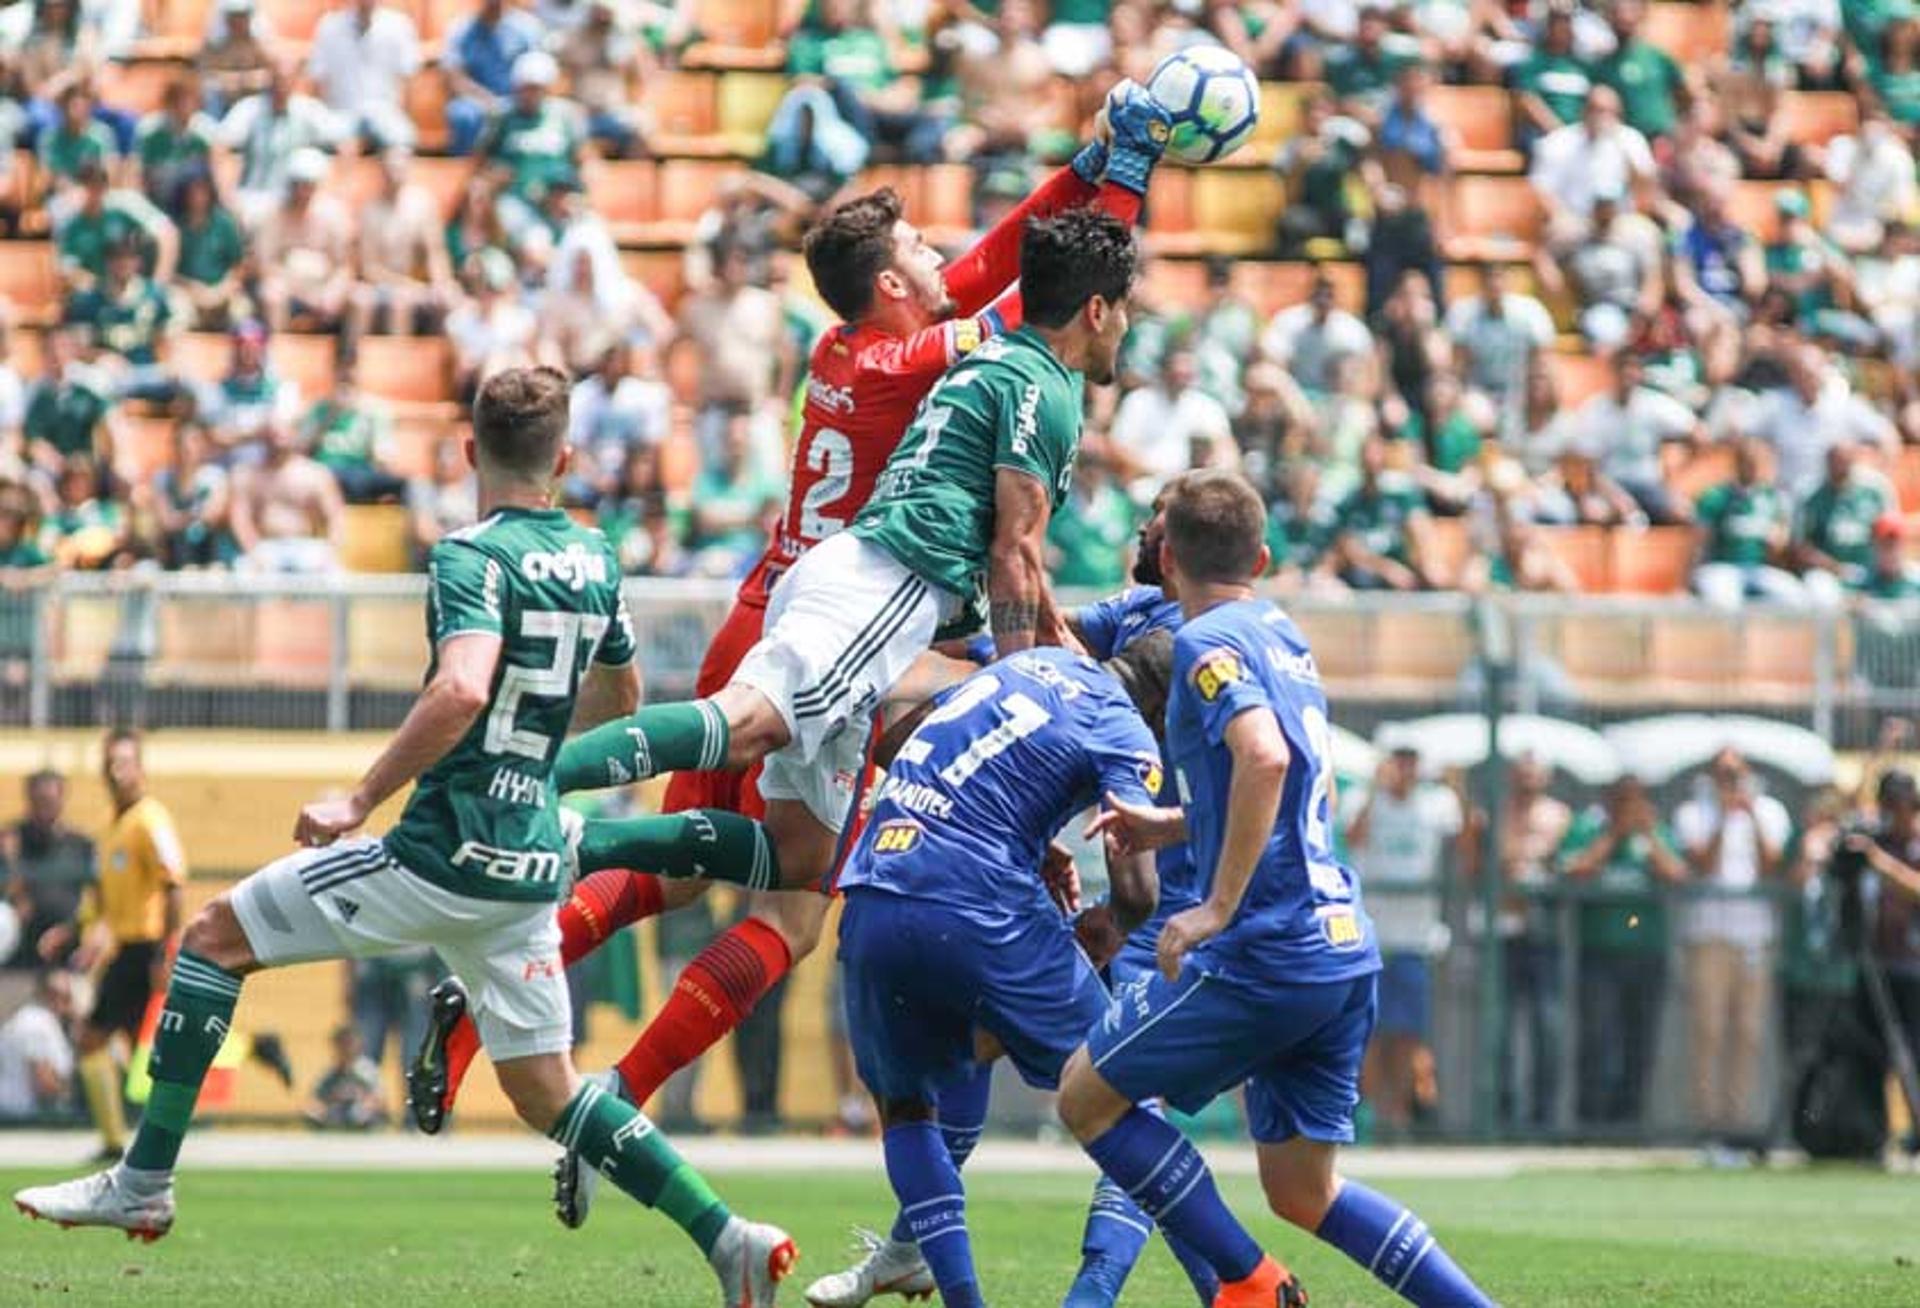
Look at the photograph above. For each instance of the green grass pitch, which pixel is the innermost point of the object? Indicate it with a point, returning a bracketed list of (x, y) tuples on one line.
[(485, 1238)]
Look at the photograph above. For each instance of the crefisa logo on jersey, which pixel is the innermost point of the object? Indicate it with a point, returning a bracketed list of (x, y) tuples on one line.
[(573, 566), (896, 837), (834, 399)]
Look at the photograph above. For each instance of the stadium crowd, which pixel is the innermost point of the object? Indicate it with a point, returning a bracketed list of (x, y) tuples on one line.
[(1748, 379)]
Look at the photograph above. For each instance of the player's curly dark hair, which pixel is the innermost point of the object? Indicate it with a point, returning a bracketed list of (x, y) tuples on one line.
[(520, 419), (1216, 526), (851, 246), (1071, 257), (1145, 669)]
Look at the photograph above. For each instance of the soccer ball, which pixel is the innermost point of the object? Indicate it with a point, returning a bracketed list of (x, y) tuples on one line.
[(1214, 101)]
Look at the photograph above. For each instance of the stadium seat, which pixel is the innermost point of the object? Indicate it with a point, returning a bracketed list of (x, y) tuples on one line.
[(1234, 209), (203, 640), (1282, 106), (203, 354), (745, 105), (146, 446), (307, 361), (415, 438), (1695, 471), (293, 21), (135, 87), (1816, 117), (1493, 218), (378, 539), (1655, 561), (686, 112), (1778, 652), (1450, 544), (1579, 377), (1273, 286), (1906, 478), (30, 280), (737, 34), (662, 271), (416, 369), (182, 24), (1482, 117), (1587, 553), (293, 642), (1695, 649), (945, 205), (686, 191), (1691, 33), (427, 97), (1170, 211), (624, 193)]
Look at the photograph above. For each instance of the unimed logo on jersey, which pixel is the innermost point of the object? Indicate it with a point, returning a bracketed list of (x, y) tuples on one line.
[(896, 837), (1215, 670)]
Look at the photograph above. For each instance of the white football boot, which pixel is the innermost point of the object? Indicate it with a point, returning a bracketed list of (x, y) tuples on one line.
[(103, 1199), (751, 1260), (889, 1267)]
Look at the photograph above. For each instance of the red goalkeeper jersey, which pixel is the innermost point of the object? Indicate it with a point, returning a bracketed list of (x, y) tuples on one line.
[(863, 385)]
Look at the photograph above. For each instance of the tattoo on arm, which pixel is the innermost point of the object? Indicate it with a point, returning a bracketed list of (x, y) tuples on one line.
[(1014, 615)]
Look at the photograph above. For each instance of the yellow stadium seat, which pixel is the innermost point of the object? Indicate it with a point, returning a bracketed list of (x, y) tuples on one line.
[(1585, 551), (377, 539), (745, 105), (1234, 209), (1656, 561), (1282, 108), (386, 642)]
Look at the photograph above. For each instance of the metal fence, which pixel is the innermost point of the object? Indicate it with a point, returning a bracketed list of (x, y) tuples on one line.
[(1537, 1022)]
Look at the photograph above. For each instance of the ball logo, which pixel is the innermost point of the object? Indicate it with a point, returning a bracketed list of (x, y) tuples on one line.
[(1158, 131), (896, 837), (1215, 671)]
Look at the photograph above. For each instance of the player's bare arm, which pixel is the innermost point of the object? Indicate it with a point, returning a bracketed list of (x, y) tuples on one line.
[(439, 719), (1260, 760), (606, 693), (1019, 601)]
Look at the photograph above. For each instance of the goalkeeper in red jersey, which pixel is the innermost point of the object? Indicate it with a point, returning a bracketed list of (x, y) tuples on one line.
[(905, 320)]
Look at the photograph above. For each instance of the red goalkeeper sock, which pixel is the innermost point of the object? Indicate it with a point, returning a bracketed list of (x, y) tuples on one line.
[(713, 995), (603, 902)]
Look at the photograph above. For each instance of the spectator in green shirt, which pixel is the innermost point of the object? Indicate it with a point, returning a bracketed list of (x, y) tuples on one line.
[(535, 141), (1381, 527), (69, 410), (1361, 74), (129, 323), (349, 432), (77, 140), (1621, 856), (734, 498), (85, 529), (174, 142), (213, 275), (1088, 534), (1321, 167), (1651, 85), (1745, 531), (1893, 70), (1833, 534), (1301, 526), (104, 218), (1550, 86), (853, 63)]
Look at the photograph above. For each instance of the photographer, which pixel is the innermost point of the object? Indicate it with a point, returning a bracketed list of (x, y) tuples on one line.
[(1887, 903)]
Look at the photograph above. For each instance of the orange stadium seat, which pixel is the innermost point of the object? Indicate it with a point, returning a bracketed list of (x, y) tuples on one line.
[(29, 279), (1777, 652), (624, 193), (1170, 209), (427, 109), (1493, 218), (664, 272), (1816, 117), (945, 203), (293, 639), (1482, 117), (686, 111), (687, 189), (1281, 285), (1587, 553), (146, 446), (1656, 561), (136, 87), (1579, 377), (293, 21), (1691, 33), (737, 34), (1450, 545), (307, 361), (413, 369), (415, 438), (1694, 472)]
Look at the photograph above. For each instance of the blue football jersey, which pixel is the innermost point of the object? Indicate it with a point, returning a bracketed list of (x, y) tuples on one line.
[(1301, 919), (1110, 625), (991, 775)]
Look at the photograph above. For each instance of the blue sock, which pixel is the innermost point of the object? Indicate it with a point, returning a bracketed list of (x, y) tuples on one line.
[(1387, 1239), (934, 1208), (1163, 1173), (1116, 1232), (961, 1106)]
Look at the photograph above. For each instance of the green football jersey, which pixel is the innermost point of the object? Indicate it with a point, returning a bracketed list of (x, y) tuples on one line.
[(1009, 404), (482, 821)]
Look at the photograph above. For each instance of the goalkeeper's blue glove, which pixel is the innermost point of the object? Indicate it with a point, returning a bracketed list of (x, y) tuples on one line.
[(1090, 162), (1140, 128)]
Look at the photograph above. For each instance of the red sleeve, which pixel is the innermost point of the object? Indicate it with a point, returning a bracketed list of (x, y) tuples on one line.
[(993, 264), (932, 350)]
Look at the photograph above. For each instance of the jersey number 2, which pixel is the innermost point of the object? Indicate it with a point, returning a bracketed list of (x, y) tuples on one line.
[(830, 454), (567, 631)]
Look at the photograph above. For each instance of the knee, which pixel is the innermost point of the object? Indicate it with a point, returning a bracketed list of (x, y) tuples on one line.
[(539, 1092), (798, 918), (1302, 1199), (1088, 1106), (755, 728), (901, 1112), (214, 934)]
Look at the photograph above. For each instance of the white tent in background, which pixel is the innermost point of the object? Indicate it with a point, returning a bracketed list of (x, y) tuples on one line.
[(1449, 740), (1658, 749)]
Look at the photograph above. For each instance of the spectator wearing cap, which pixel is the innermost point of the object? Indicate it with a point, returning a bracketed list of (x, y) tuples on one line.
[(1552, 83), (249, 396), (1399, 830), (1833, 531), (1496, 336), (478, 58), (534, 141), (304, 247), (104, 217), (1745, 531), (214, 267), (268, 130), (288, 514), (1162, 429), (129, 325), (1815, 411), (1651, 85), (1874, 176), (1733, 836), (1600, 155), (404, 275), (590, 306), (1381, 528), (607, 61), (363, 55), (173, 143), (1307, 339), (1630, 421), (1892, 575), (1624, 856), (1318, 163), (237, 59)]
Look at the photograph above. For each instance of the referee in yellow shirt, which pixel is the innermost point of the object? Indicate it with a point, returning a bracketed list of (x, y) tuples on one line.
[(131, 918)]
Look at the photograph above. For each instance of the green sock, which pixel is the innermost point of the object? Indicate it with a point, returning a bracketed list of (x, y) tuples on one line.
[(701, 842), (617, 1140), (658, 738), (194, 1022)]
